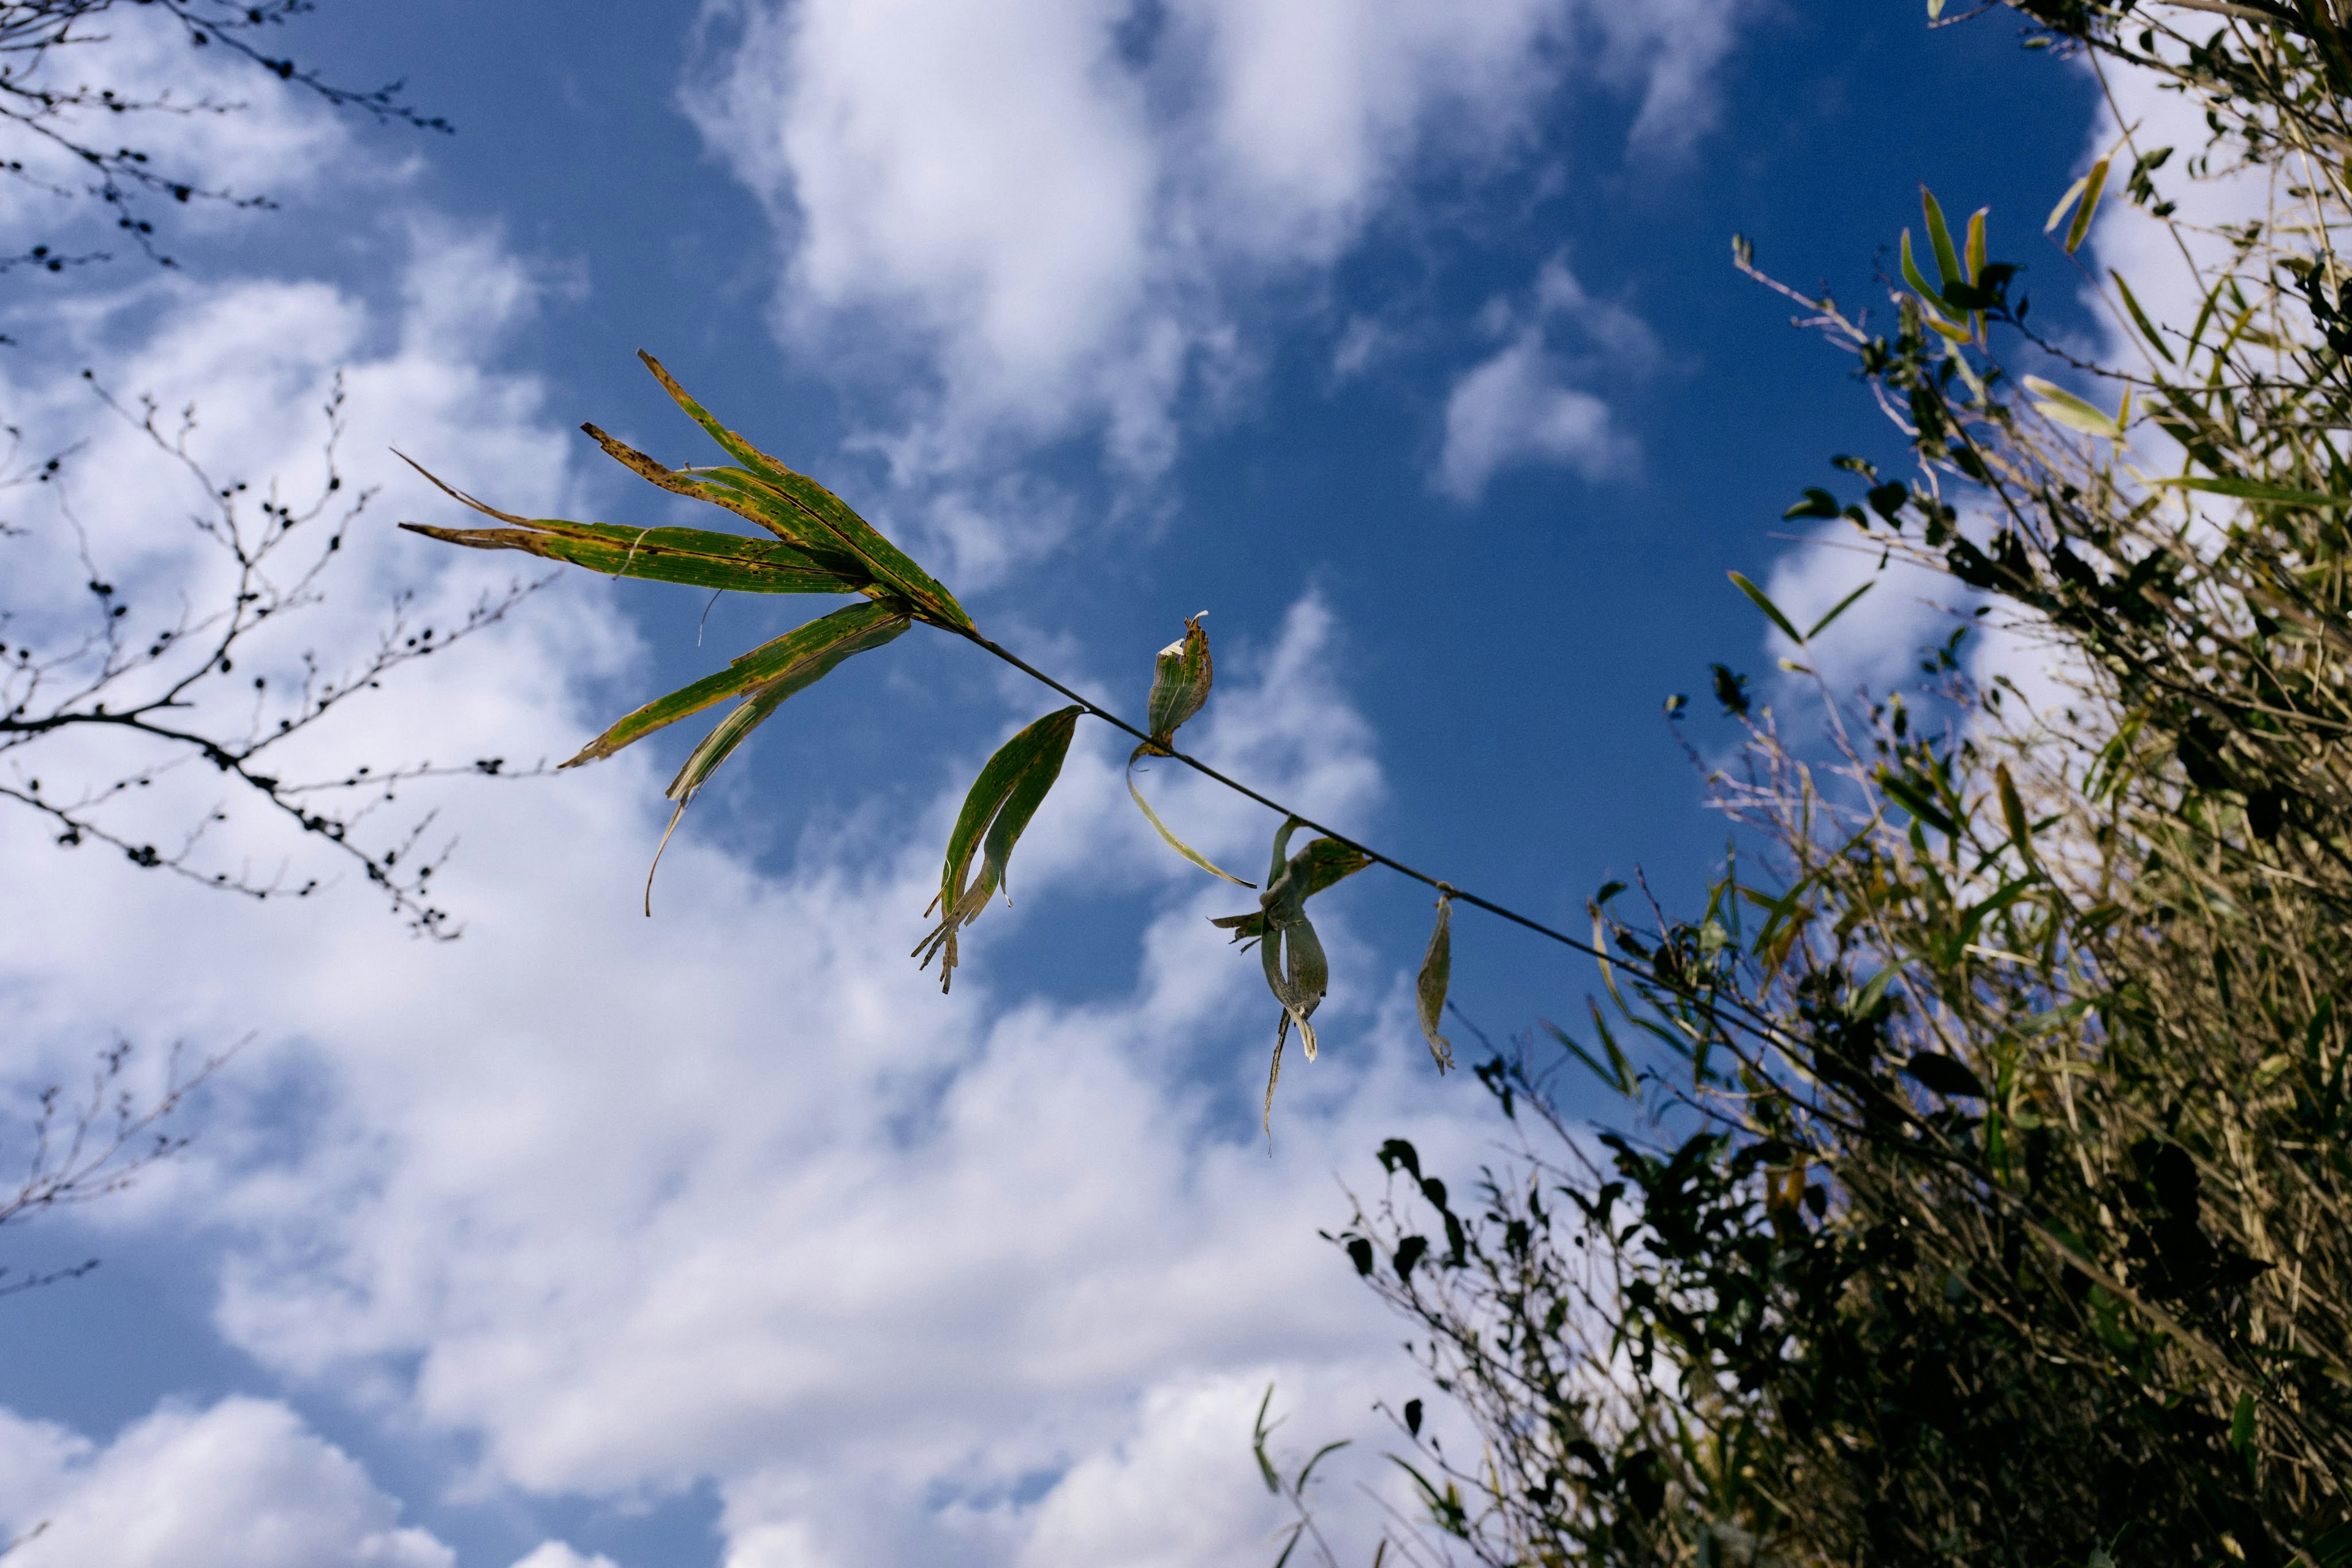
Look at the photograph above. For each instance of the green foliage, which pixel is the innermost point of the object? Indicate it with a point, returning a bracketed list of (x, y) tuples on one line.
[(1983, 1193), (821, 546)]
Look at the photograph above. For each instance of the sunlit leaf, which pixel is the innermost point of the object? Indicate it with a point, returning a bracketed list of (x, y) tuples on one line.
[(2251, 490), (2139, 317), (2093, 183), (996, 811), (795, 659), (1838, 609), (825, 510), (753, 503), (1948, 259), (1756, 597), (2061, 406), (1173, 842), (693, 556), (764, 678), (1429, 987)]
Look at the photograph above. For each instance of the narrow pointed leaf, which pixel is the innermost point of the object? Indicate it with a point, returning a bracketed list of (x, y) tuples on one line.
[(695, 557), (2012, 812), (1771, 610), (1838, 609), (1173, 842), (1918, 279), (1947, 261), (1181, 677), (2251, 490), (756, 507), (2093, 183), (2057, 403), (2139, 317), (997, 809), (2058, 213), (825, 510), (825, 641), (856, 629), (1974, 258), (1429, 988)]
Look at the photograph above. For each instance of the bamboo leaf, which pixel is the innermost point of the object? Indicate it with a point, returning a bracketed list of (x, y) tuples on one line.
[(1173, 842), (2093, 183), (759, 508), (1925, 290), (766, 676), (2056, 404), (996, 811), (1939, 237), (1181, 677), (2251, 490), (1838, 609), (805, 653), (693, 556), (1771, 610), (826, 511), (2013, 813), (2139, 317), (2058, 213), (1436, 972), (1328, 861)]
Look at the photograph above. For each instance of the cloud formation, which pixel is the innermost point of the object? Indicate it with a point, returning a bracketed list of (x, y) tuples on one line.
[(1051, 216)]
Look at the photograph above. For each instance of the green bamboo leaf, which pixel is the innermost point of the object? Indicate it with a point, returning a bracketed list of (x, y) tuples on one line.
[(1974, 257), (2093, 183), (1873, 991), (762, 510), (826, 511), (1918, 279), (693, 556), (1429, 987), (690, 555), (1947, 261), (1173, 842), (2012, 812), (1838, 609), (2061, 406), (1010, 786), (1181, 675), (797, 659), (776, 671), (1771, 610), (2251, 490), (2139, 317)]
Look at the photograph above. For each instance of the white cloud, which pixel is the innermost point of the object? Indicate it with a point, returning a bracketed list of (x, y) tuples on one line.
[(1052, 215), (1522, 405), (242, 1485), (734, 1195)]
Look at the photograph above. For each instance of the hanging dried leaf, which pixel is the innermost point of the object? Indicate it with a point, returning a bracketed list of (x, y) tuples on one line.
[(1173, 842), (1436, 972), (996, 811), (1181, 678), (1328, 861)]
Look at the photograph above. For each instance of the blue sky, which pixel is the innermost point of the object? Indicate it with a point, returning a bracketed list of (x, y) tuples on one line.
[(1405, 343)]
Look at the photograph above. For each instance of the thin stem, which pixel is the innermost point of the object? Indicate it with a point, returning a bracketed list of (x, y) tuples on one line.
[(1108, 717)]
